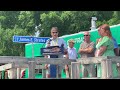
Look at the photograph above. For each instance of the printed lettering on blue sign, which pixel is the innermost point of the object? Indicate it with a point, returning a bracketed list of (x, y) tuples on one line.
[(30, 39)]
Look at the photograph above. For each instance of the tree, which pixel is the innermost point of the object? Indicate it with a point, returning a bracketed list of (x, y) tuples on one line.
[(9, 19), (81, 20), (50, 20), (67, 21), (8, 48), (26, 21), (23, 23), (116, 18), (104, 15)]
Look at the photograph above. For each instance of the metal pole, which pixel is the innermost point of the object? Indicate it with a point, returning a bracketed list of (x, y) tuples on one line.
[(32, 50)]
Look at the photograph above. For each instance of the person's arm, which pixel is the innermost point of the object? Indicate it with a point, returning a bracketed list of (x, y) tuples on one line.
[(91, 47), (81, 49), (101, 50), (46, 56), (56, 49), (46, 65), (65, 49), (98, 40), (116, 51), (66, 54), (116, 47), (87, 50), (103, 45)]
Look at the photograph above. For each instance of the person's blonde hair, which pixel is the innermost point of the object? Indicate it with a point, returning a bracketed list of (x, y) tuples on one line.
[(107, 30), (71, 41)]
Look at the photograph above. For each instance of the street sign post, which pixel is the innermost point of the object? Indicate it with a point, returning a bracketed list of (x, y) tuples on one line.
[(30, 39)]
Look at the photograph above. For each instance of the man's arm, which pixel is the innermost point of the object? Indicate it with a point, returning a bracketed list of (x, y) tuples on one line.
[(66, 54), (80, 49), (86, 50), (89, 50), (46, 56), (65, 49)]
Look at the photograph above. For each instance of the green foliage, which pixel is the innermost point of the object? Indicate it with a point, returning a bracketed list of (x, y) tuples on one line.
[(50, 20), (116, 14), (23, 23), (104, 15), (26, 21), (9, 18), (67, 21), (116, 18), (8, 48)]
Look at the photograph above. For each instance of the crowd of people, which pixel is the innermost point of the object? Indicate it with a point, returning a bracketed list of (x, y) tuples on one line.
[(106, 45)]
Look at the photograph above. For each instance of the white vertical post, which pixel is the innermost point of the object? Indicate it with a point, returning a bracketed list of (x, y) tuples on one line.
[(32, 50), (109, 69), (104, 69), (43, 73), (78, 70), (31, 69), (12, 73), (72, 75), (75, 70), (18, 73)]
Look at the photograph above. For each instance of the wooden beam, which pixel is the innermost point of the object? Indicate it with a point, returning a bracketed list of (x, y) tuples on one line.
[(104, 69), (52, 61), (115, 60), (6, 66), (18, 73), (39, 67), (21, 65), (75, 70), (31, 69), (94, 58), (113, 57), (88, 61), (92, 78), (109, 69)]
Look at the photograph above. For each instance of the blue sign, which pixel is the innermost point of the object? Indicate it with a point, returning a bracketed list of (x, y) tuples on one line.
[(30, 39)]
